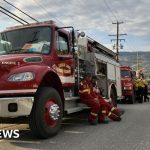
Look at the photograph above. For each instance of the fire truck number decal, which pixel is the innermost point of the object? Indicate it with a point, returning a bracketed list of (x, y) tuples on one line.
[(8, 63)]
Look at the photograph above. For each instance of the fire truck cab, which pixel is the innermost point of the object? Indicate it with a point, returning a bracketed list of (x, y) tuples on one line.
[(40, 73), (128, 86)]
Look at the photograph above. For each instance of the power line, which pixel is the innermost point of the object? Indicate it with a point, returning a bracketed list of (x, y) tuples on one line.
[(124, 30), (116, 17), (117, 38), (13, 15), (108, 15), (20, 10), (117, 35), (41, 6), (105, 2), (130, 44)]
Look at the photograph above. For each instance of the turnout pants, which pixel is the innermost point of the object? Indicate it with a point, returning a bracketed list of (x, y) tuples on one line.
[(95, 108)]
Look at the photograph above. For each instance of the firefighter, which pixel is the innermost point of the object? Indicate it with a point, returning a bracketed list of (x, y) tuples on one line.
[(112, 112), (141, 86), (89, 99), (98, 109)]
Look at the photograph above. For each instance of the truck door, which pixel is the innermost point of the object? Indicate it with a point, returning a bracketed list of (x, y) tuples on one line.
[(65, 64), (118, 81)]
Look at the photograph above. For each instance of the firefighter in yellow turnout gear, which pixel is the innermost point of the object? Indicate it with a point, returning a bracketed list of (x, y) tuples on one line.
[(141, 86)]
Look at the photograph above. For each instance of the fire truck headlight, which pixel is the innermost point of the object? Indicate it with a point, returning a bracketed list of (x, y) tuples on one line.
[(128, 88), (24, 76)]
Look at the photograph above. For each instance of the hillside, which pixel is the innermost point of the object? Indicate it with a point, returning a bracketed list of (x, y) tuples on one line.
[(134, 58)]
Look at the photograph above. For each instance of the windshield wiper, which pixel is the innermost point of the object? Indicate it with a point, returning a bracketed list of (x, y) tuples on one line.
[(15, 51), (35, 37), (34, 40)]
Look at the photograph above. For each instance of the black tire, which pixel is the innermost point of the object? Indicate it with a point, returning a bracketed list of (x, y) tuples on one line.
[(39, 119), (113, 96)]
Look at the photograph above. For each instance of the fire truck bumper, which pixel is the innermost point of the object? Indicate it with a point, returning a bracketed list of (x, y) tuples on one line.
[(127, 93), (15, 106)]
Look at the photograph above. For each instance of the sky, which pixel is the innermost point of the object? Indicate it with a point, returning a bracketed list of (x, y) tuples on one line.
[(94, 17)]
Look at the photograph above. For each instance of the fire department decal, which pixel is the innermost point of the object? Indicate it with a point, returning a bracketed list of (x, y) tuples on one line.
[(64, 72), (62, 69)]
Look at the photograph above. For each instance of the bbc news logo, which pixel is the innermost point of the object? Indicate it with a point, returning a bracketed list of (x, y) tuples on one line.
[(9, 134)]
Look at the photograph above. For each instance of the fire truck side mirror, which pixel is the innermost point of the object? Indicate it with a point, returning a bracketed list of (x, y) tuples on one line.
[(73, 40)]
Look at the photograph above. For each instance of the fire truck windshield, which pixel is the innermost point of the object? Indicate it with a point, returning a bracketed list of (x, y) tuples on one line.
[(125, 74), (27, 40)]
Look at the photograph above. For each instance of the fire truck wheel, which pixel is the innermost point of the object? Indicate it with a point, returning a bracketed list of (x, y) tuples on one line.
[(46, 115), (113, 96)]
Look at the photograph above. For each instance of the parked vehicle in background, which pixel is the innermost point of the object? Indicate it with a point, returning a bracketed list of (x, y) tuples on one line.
[(127, 82)]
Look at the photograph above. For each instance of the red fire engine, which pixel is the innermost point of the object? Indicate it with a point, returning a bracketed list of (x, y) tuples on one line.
[(127, 81), (40, 71)]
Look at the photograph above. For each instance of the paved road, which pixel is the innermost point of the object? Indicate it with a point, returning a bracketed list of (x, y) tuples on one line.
[(132, 133)]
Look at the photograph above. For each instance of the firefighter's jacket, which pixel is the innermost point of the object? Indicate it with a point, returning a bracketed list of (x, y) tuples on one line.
[(86, 90), (141, 83), (145, 82)]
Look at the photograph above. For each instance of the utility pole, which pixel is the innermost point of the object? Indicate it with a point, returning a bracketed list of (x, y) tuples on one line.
[(117, 39), (137, 61)]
